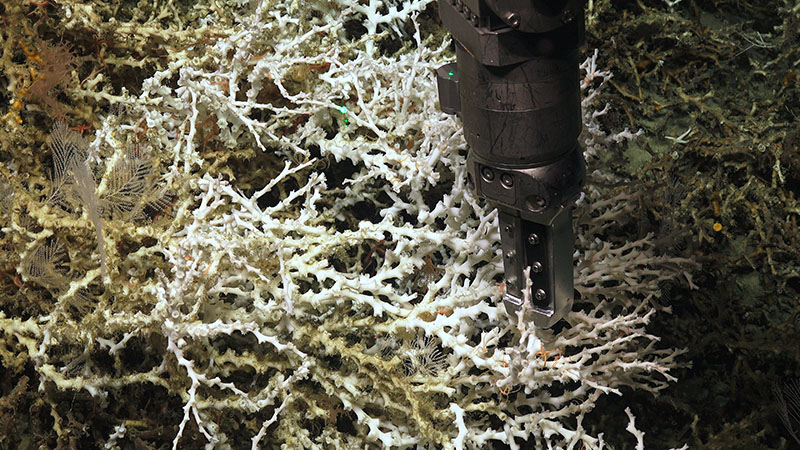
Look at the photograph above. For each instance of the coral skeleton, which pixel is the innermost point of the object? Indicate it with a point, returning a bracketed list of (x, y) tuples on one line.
[(277, 229)]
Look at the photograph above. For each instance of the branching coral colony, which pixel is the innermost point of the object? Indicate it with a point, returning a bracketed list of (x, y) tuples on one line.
[(237, 299)]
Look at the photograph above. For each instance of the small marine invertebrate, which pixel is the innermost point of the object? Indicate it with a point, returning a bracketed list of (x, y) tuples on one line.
[(56, 64), (70, 156), (788, 398), (132, 189), (43, 265), (424, 357)]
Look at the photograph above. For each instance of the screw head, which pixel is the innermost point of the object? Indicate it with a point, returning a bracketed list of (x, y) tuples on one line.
[(540, 294), (487, 173), (535, 202), (513, 19), (537, 267), (507, 180), (533, 239)]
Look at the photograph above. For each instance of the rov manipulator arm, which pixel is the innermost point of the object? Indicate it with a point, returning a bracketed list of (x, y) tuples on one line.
[(515, 86)]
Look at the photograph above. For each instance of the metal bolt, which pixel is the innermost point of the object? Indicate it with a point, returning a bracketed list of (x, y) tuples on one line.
[(537, 267), (487, 173), (533, 239), (535, 202), (508, 229), (507, 180), (567, 16), (510, 254), (540, 294), (513, 19)]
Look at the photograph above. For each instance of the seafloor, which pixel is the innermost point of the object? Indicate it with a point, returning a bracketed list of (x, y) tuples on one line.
[(723, 77)]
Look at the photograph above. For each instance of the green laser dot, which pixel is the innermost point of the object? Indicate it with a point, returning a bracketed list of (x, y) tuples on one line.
[(450, 74)]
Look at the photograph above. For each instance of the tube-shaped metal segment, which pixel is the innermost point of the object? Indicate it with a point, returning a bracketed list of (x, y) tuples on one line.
[(523, 114)]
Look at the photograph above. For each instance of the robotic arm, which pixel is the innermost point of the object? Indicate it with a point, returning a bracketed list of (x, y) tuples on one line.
[(515, 87)]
